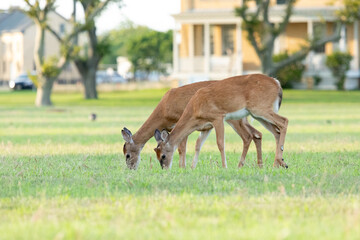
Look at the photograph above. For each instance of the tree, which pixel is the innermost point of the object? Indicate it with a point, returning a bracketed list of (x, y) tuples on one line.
[(119, 38), (339, 64), (88, 62), (262, 32), (47, 69), (149, 52), (290, 73)]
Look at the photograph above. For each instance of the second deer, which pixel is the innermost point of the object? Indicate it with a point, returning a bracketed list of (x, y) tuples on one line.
[(231, 99)]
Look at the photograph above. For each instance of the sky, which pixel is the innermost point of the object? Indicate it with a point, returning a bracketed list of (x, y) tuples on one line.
[(155, 14)]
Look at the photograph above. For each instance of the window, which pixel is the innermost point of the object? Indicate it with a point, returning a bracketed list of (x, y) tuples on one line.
[(280, 2), (222, 40), (4, 66), (319, 32), (212, 46), (62, 29), (228, 32)]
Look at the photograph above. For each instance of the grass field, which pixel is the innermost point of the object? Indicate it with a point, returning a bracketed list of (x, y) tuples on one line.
[(64, 177)]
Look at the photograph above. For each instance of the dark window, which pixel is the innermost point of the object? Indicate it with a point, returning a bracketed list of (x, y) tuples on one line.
[(319, 32), (62, 29), (212, 51), (4, 66), (279, 2), (226, 38), (228, 32)]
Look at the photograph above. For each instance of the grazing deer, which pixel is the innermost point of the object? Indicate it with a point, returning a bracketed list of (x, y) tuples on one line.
[(230, 99), (166, 115)]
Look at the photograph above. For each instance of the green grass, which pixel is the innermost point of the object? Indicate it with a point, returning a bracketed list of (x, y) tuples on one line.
[(64, 177)]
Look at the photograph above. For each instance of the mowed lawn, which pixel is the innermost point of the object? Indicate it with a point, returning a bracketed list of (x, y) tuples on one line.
[(63, 176)]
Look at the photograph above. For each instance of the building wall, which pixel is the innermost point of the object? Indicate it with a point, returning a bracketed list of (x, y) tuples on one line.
[(358, 46), (251, 61), (208, 4), (312, 3), (295, 36), (229, 4), (184, 46), (17, 50), (29, 43), (11, 55), (198, 40)]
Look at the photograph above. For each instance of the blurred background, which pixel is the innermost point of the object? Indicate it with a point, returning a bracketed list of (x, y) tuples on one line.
[(91, 45)]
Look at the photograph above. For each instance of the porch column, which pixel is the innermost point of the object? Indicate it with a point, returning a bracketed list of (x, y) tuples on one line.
[(191, 47), (175, 52), (207, 49), (342, 41), (239, 55), (355, 62), (310, 32)]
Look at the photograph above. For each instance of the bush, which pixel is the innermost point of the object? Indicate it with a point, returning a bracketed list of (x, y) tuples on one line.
[(339, 63), (317, 80), (290, 73)]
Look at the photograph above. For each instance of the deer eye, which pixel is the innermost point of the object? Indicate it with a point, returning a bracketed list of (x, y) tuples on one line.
[(127, 155), (163, 156)]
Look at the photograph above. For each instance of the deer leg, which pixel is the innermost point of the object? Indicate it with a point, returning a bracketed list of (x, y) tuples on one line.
[(182, 153), (256, 137), (220, 137), (277, 125), (245, 135), (199, 143)]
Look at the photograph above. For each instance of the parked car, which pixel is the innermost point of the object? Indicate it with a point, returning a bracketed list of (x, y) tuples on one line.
[(21, 82), (116, 78), (105, 77)]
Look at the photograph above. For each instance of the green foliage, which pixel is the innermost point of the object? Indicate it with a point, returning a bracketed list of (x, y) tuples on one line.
[(317, 80), (103, 47), (339, 64), (290, 73), (49, 68), (148, 52), (350, 13), (34, 79), (119, 39)]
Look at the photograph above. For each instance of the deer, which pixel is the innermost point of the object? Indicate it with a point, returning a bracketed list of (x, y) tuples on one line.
[(166, 115), (230, 99)]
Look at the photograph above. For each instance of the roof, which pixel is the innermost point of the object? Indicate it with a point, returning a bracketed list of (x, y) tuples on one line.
[(3, 15), (276, 13), (14, 21)]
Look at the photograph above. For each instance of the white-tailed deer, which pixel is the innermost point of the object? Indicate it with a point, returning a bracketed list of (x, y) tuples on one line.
[(230, 99), (166, 115)]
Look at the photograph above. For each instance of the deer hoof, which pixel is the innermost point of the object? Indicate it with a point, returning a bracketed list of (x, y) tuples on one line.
[(285, 165)]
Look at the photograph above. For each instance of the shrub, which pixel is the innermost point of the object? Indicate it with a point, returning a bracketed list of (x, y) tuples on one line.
[(290, 73), (339, 63), (317, 80)]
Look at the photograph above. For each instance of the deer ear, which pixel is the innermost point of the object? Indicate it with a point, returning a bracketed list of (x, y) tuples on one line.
[(164, 135), (127, 136), (157, 136)]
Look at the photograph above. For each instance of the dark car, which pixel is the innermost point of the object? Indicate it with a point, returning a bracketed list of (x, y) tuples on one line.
[(21, 82)]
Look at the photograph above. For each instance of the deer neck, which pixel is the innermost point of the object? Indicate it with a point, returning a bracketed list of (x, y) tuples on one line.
[(183, 128), (147, 130)]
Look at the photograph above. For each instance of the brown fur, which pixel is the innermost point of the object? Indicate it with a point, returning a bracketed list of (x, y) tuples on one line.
[(166, 115), (256, 93)]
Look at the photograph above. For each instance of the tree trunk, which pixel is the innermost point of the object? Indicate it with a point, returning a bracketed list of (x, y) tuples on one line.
[(43, 93), (341, 83), (90, 84)]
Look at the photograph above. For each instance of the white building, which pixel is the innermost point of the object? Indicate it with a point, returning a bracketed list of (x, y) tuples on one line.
[(17, 41)]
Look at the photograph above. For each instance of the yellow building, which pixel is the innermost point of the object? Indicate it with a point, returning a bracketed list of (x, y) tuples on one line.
[(210, 44)]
